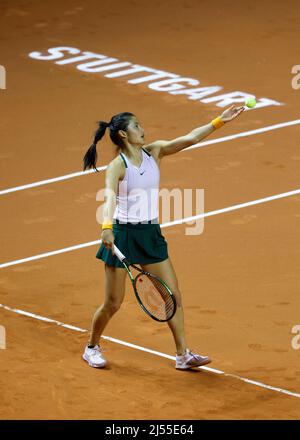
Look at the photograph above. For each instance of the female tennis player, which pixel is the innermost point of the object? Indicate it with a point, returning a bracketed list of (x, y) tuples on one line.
[(137, 233)]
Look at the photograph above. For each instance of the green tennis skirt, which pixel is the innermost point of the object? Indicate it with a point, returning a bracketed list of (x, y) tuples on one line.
[(141, 243)]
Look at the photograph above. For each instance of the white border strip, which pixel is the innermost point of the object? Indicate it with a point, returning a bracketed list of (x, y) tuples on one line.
[(148, 350), (201, 144), (164, 225)]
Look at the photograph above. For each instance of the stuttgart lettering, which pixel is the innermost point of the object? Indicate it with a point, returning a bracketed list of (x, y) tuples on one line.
[(157, 80)]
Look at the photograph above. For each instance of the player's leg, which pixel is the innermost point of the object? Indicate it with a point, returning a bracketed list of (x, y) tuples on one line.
[(113, 298), (114, 295), (185, 359), (166, 272)]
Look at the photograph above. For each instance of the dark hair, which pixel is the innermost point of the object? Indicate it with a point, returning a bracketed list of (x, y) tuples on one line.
[(117, 122)]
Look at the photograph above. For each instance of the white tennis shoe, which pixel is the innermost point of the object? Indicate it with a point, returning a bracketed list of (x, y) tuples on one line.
[(94, 357), (190, 360)]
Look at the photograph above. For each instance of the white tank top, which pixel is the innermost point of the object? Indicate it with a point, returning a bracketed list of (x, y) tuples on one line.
[(137, 198)]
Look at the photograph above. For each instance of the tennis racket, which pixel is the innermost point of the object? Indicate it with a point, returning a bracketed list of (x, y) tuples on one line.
[(153, 294)]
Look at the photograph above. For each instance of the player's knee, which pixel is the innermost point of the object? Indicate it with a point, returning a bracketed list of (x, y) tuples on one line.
[(113, 306)]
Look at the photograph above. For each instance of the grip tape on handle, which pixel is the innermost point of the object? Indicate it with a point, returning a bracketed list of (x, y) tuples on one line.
[(118, 253)]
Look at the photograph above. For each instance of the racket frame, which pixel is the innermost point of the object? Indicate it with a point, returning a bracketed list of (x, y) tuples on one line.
[(133, 280)]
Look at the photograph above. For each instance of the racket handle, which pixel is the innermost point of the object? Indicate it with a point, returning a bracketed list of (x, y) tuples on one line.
[(118, 253)]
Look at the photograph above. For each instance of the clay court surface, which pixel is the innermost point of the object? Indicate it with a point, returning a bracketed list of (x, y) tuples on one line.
[(239, 278)]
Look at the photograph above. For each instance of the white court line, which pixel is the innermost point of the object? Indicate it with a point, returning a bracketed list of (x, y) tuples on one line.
[(54, 179), (201, 144), (246, 133), (163, 225), (148, 350)]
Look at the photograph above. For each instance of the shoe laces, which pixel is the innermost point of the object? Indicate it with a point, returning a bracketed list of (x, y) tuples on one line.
[(190, 353)]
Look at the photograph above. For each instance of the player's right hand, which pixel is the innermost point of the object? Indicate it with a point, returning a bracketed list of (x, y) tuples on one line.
[(108, 239)]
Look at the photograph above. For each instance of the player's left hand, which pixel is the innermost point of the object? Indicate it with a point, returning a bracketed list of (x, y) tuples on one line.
[(231, 113)]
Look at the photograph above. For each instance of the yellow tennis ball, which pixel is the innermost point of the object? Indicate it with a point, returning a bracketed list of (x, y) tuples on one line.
[(250, 102)]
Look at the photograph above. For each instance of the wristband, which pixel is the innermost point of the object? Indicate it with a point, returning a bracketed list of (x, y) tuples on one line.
[(107, 226), (217, 122)]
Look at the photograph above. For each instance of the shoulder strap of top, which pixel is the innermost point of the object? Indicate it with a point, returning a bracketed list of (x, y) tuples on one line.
[(124, 160), (147, 152)]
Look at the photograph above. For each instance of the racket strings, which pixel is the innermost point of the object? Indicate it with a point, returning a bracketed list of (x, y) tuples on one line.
[(155, 297)]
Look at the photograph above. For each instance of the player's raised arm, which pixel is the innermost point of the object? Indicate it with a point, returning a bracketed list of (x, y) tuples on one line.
[(164, 148)]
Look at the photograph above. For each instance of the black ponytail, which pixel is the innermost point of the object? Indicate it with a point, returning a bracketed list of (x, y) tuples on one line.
[(118, 122), (90, 157)]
